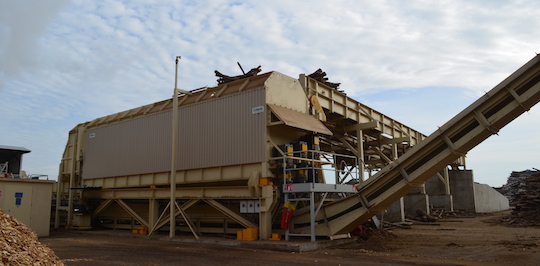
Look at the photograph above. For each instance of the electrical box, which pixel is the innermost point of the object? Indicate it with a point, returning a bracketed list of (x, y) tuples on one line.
[(243, 206), (249, 206), (29, 201), (257, 206)]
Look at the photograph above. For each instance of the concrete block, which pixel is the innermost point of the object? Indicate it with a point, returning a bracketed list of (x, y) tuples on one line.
[(487, 199), (461, 187), (434, 186)]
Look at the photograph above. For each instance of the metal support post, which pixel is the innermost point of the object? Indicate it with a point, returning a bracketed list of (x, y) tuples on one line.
[(174, 149), (172, 221), (72, 175), (360, 149), (312, 214), (446, 178)]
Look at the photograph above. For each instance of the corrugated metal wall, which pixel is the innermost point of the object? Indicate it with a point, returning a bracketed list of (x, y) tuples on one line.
[(129, 147), (213, 133), (222, 132)]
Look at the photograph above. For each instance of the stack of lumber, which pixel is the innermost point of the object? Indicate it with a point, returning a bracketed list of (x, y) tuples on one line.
[(20, 246), (523, 191)]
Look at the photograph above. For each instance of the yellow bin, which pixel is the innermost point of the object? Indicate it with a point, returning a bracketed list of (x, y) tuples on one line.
[(142, 230), (250, 233)]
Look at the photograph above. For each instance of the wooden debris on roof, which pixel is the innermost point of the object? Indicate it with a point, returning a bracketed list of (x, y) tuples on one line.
[(222, 79), (320, 76)]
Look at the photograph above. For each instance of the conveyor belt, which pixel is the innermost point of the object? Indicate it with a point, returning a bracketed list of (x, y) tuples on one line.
[(485, 117)]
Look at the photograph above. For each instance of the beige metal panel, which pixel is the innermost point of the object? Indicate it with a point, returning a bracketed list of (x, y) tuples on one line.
[(66, 166), (226, 131), (198, 96), (285, 91), (129, 147), (41, 205), (218, 132), (299, 120), (19, 207), (208, 175), (164, 193)]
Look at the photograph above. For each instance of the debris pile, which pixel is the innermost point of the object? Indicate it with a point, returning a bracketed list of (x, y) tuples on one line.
[(370, 240), (523, 192), (20, 246), (320, 76), (222, 79)]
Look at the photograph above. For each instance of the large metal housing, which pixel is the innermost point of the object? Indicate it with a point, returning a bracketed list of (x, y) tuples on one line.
[(230, 153)]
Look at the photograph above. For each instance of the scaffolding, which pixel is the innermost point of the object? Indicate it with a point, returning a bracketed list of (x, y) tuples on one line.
[(310, 191)]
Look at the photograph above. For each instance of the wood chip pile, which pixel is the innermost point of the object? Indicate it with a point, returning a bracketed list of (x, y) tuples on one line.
[(523, 192), (20, 245)]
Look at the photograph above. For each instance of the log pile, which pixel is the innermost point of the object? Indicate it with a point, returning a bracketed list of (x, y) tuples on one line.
[(20, 246), (523, 192)]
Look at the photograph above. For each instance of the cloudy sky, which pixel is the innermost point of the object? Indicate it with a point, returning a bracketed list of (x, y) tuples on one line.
[(420, 62)]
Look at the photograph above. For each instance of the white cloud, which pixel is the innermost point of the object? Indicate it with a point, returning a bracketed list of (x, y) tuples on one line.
[(21, 23)]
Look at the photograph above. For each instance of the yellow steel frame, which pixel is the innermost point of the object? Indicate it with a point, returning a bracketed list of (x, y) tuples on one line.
[(485, 117)]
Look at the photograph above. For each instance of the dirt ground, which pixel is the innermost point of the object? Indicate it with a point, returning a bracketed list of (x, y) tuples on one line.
[(481, 240)]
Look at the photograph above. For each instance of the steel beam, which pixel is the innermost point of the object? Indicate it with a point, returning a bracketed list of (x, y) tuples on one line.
[(188, 221), (101, 207), (362, 126), (162, 221), (233, 215), (466, 130), (242, 192), (338, 103), (131, 212)]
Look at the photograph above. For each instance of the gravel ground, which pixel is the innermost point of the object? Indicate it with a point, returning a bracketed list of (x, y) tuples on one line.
[(482, 240)]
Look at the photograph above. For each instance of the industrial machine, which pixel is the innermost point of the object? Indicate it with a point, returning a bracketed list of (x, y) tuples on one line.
[(258, 142)]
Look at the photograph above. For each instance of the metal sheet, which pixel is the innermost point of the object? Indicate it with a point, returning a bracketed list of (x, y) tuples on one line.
[(299, 120), (134, 146), (218, 132), (222, 132)]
